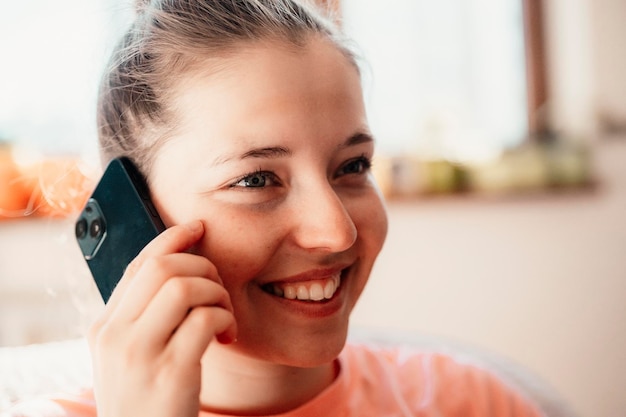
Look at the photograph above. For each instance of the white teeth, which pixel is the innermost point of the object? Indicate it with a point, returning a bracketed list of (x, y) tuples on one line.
[(290, 292), (317, 291), (303, 293), (329, 289)]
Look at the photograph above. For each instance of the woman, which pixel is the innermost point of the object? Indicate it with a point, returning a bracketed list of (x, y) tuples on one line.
[(247, 119)]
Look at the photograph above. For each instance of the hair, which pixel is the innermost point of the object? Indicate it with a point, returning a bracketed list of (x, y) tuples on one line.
[(168, 40)]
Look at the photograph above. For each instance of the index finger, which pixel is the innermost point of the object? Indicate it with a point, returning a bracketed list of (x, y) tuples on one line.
[(175, 239)]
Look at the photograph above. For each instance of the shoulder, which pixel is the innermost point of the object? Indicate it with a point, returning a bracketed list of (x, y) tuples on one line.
[(434, 381)]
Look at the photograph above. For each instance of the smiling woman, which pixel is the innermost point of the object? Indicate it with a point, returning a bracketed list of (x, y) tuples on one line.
[(248, 121), (300, 170)]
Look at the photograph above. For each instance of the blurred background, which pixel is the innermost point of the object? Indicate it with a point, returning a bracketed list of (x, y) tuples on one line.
[(501, 128)]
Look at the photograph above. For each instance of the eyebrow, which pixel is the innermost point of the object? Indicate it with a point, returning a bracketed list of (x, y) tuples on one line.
[(269, 152), (265, 152), (272, 152), (357, 139)]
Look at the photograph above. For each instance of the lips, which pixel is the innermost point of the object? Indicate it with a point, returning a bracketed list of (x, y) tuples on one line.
[(308, 290), (314, 286)]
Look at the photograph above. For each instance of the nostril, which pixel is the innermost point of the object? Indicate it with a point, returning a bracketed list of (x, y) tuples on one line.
[(334, 234), (323, 222)]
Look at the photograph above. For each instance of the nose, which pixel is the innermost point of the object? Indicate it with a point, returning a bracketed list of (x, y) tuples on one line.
[(322, 222)]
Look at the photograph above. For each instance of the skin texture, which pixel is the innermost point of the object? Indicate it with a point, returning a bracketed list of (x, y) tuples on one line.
[(265, 182)]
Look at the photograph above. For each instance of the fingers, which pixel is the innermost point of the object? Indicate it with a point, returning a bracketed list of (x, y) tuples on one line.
[(173, 240), (159, 321), (155, 273), (161, 261), (176, 302), (192, 337)]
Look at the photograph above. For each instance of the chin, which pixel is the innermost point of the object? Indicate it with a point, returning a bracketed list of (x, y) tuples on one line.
[(319, 350), (308, 350)]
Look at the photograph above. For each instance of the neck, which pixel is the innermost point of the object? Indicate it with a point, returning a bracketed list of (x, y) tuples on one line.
[(239, 385)]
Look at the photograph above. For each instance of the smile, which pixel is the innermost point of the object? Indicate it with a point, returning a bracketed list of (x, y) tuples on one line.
[(312, 290)]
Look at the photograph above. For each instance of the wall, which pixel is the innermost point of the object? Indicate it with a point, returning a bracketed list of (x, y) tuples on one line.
[(586, 65), (609, 23), (46, 292), (540, 279)]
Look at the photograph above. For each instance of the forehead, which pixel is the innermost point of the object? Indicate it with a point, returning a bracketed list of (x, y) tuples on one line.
[(267, 86), (270, 68)]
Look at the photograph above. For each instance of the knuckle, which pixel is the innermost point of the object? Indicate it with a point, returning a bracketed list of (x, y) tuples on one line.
[(155, 263), (178, 290), (133, 266)]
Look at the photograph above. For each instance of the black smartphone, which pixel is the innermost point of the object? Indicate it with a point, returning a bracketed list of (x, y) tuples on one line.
[(118, 221)]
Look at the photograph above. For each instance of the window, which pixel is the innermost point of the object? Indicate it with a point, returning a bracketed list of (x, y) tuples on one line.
[(52, 56), (447, 77)]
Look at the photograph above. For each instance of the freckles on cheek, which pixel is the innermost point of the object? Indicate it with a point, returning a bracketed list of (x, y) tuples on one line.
[(240, 245)]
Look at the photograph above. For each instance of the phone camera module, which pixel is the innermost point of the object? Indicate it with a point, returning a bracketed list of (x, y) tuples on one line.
[(95, 228), (90, 229), (81, 228)]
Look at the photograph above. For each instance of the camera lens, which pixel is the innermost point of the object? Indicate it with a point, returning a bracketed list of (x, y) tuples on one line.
[(81, 228), (95, 229)]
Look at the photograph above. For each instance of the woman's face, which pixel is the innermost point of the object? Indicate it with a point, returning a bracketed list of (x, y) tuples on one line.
[(272, 153)]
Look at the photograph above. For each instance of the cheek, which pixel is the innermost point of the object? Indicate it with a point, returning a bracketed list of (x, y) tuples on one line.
[(370, 218), (239, 244)]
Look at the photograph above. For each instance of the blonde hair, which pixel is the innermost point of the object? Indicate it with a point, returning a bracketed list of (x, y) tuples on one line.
[(167, 40)]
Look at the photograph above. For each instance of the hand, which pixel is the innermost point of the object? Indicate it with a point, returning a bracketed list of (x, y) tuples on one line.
[(147, 346)]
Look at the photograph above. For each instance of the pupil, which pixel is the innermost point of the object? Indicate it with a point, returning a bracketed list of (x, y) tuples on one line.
[(256, 181)]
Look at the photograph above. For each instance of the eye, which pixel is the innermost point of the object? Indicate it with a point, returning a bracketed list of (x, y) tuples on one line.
[(356, 166), (258, 179)]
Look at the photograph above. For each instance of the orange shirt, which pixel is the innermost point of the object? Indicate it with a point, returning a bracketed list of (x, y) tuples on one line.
[(376, 383)]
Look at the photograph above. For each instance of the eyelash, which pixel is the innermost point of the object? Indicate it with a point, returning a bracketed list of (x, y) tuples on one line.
[(264, 174), (364, 167)]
